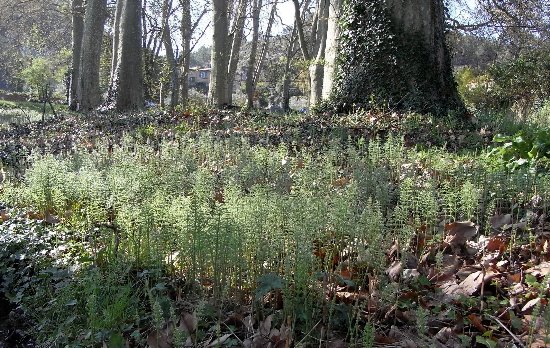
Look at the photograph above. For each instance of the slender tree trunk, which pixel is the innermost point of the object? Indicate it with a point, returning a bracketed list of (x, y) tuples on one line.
[(116, 35), (265, 47), (170, 56), (186, 35), (128, 77), (236, 48), (217, 94), (286, 77), (319, 35), (89, 93), (78, 30), (317, 65), (256, 9), (333, 32), (300, 29)]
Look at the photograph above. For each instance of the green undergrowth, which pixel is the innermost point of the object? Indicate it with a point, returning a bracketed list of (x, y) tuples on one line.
[(118, 242), (25, 112)]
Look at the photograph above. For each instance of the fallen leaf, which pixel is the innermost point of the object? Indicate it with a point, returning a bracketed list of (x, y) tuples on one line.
[(265, 326), (458, 233), (532, 303), (219, 341), (496, 244), (188, 322), (476, 321), (540, 270), (394, 271), (498, 221), (340, 182), (337, 344)]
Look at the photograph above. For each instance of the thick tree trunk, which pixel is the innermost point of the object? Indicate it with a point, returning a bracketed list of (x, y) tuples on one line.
[(186, 35), (128, 77), (238, 30), (333, 31), (217, 93), (89, 93), (393, 54), (170, 56), (78, 30), (256, 9)]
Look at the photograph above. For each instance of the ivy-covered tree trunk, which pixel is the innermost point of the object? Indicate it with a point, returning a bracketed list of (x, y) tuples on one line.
[(392, 54)]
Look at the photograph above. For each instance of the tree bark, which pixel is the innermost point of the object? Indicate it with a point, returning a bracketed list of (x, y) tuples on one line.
[(393, 55), (317, 65), (285, 104), (236, 48), (217, 93), (319, 34), (256, 9), (116, 36), (89, 93), (265, 47), (128, 77), (186, 35), (333, 30), (170, 56), (78, 30)]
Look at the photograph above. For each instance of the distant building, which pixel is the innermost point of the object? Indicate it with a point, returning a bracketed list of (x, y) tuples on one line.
[(199, 78)]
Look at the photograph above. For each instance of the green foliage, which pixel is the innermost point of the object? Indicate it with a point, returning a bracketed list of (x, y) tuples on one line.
[(524, 149), (45, 73), (519, 85), (215, 218)]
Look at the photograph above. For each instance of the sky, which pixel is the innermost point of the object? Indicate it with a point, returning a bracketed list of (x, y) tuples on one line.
[(285, 9)]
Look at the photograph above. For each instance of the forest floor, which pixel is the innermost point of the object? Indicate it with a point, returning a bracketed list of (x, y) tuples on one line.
[(466, 264)]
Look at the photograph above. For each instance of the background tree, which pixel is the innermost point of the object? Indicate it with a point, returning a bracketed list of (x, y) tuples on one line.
[(77, 32), (237, 37), (30, 29), (315, 59), (128, 77), (256, 10), (88, 91), (217, 93)]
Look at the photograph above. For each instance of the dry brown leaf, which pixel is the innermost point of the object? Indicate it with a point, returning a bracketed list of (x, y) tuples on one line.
[(341, 182), (540, 270), (514, 278), (160, 338), (496, 244), (458, 233), (468, 286), (219, 341), (265, 326), (337, 344), (498, 221), (394, 271), (4, 216), (188, 322), (476, 321), (248, 322)]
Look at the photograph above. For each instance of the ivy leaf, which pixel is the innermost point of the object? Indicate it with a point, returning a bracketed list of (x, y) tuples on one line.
[(266, 283)]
